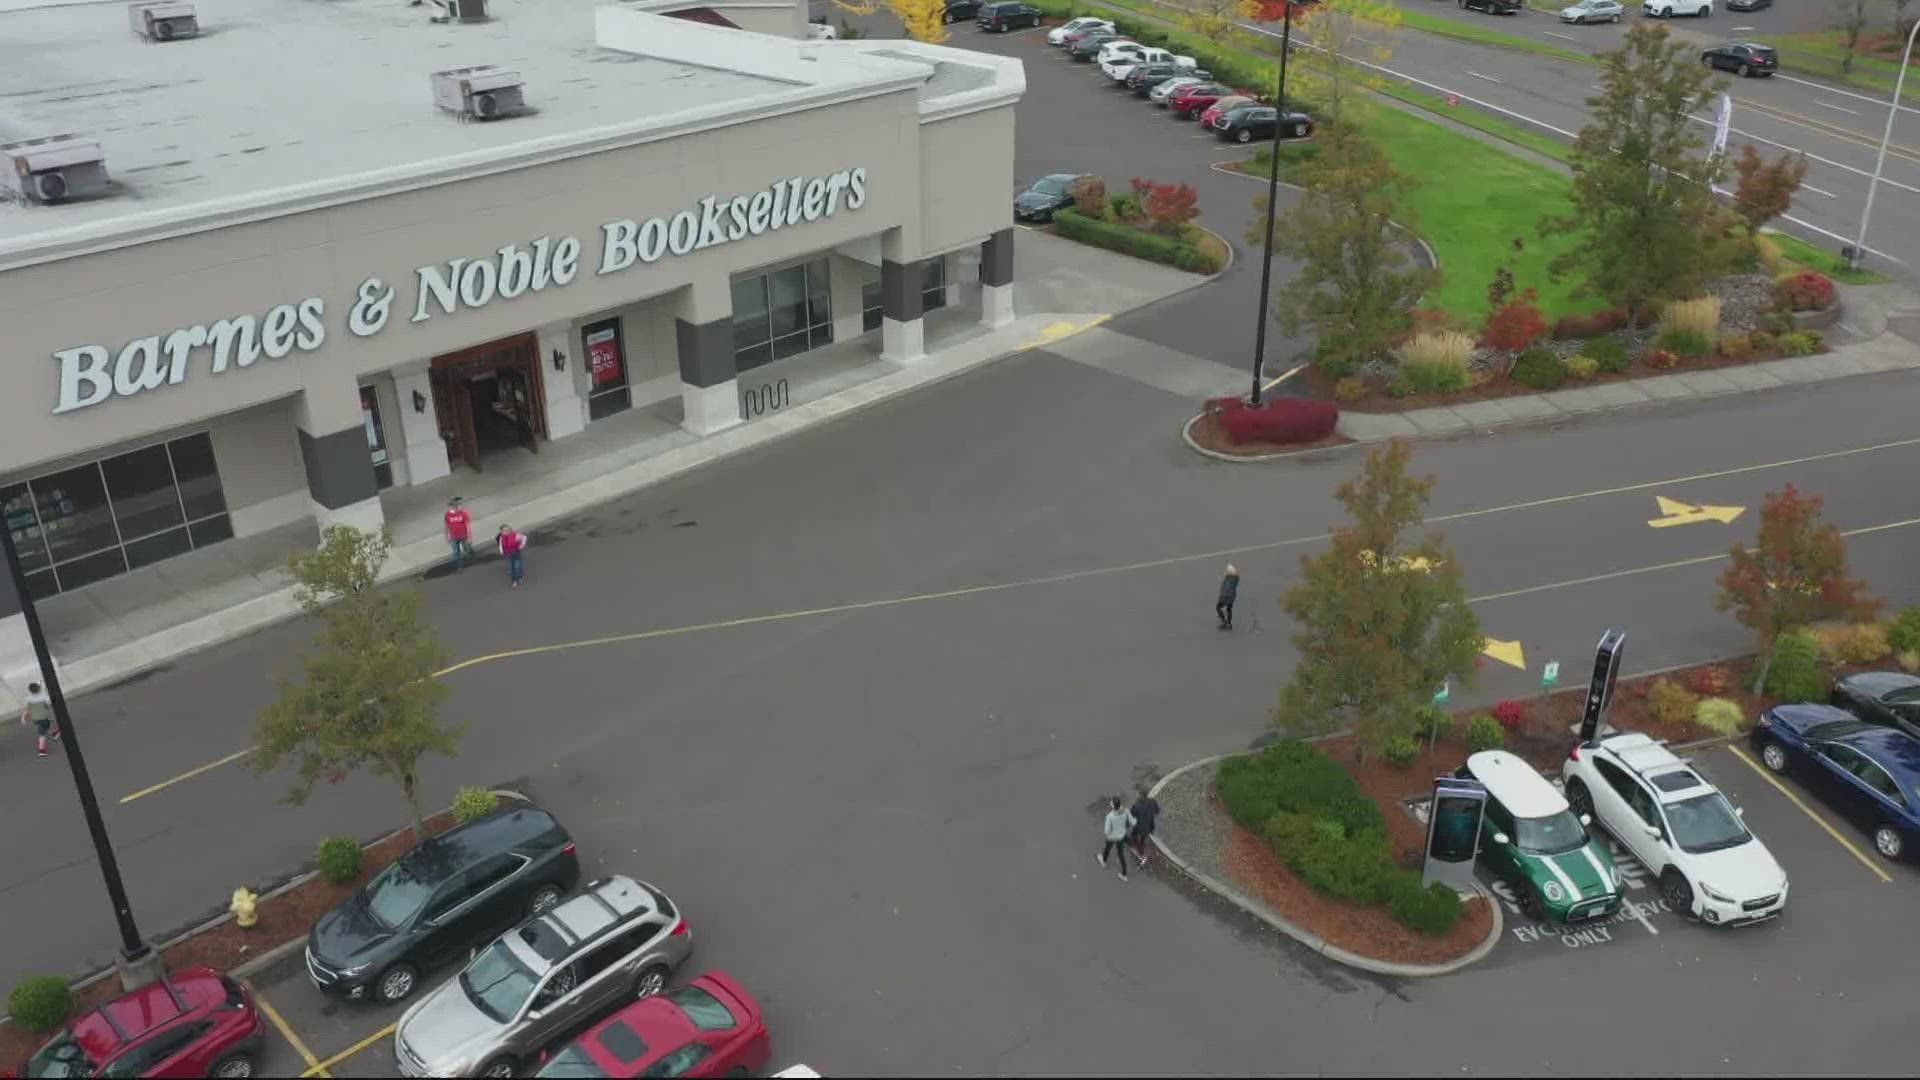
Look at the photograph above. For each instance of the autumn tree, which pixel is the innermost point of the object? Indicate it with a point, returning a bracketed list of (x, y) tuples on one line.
[(1643, 201), (1765, 188), (1217, 20), (1356, 281), (1795, 574), (1382, 615), (923, 20), (1849, 19), (1347, 37), (368, 698)]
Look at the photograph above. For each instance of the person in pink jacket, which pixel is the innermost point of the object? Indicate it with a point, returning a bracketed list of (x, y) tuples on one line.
[(512, 545)]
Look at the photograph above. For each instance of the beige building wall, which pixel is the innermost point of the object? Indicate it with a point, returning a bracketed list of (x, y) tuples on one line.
[(966, 167)]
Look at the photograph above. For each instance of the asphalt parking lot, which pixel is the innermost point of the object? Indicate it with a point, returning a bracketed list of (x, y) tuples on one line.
[(317, 1036)]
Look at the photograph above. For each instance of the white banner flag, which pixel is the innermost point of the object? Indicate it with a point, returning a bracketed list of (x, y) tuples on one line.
[(1723, 124)]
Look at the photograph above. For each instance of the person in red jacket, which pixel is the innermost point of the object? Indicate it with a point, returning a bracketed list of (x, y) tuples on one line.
[(459, 531), (512, 544)]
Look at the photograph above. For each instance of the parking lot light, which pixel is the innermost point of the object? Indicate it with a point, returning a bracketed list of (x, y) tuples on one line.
[(1273, 193), (1880, 160)]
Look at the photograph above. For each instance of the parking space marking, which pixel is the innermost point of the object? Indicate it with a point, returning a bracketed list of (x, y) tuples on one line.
[(314, 1065), (1809, 811), (1562, 37), (320, 1067)]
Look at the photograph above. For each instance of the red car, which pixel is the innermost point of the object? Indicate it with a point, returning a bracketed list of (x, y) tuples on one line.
[(196, 1022), (1223, 106), (1190, 101), (709, 1027)]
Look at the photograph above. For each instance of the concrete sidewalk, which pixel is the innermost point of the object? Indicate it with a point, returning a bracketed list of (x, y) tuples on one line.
[(121, 627)]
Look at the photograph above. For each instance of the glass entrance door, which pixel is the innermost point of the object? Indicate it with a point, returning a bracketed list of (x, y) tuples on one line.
[(376, 437)]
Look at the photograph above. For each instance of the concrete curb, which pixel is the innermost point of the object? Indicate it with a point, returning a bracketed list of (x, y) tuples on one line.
[(121, 662), (1186, 435), (1297, 933)]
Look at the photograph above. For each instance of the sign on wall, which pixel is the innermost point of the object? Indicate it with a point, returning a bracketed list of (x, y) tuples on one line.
[(93, 373), (603, 354)]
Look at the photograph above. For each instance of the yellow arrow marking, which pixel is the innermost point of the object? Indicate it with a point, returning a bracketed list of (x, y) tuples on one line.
[(1507, 652), (1674, 512)]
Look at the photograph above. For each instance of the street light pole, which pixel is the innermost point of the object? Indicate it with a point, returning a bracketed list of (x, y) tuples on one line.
[(1273, 193), (1879, 162), (138, 964)]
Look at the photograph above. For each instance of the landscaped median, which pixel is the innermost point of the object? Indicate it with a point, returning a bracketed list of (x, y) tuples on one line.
[(1151, 221)]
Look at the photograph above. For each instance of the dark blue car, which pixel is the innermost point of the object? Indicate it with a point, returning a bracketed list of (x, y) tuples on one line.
[(1867, 772)]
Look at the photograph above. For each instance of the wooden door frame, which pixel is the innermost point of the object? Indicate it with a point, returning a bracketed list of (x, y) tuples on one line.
[(450, 374)]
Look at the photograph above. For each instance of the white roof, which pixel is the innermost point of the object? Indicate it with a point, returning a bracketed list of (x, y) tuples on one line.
[(1522, 790), (284, 105)]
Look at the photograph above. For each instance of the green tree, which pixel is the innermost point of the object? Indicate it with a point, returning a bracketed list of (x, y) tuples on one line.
[(1382, 614), (1352, 40), (369, 698), (1794, 574), (1356, 281), (1642, 188)]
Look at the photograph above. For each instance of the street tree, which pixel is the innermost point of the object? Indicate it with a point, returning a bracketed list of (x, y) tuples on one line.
[(1382, 616), (1765, 189), (1642, 198), (1795, 574), (1356, 281), (1347, 36), (368, 698), (1217, 20), (923, 20), (1849, 19)]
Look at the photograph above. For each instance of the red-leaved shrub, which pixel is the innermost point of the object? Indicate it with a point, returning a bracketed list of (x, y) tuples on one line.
[(1709, 681), (1805, 290), (1511, 714), (1592, 325), (1277, 420), (1514, 325), (1660, 359), (1168, 206)]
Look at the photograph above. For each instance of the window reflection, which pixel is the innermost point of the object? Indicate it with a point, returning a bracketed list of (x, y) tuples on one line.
[(781, 313)]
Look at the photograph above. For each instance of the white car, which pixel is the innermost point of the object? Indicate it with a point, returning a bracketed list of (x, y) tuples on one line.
[(1058, 35), (1120, 66), (1118, 47), (1667, 9), (1591, 11), (1679, 826), (1164, 89)]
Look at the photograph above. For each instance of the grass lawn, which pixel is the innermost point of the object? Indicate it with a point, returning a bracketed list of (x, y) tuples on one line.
[(1827, 262), (1517, 134), (1819, 52)]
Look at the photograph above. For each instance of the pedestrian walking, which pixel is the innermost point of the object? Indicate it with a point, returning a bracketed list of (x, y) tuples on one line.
[(39, 712), (512, 545), (459, 532), (1145, 809), (1229, 592), (1115, 829)]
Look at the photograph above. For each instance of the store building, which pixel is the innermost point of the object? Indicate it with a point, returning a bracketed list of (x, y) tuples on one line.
[(259, 275)]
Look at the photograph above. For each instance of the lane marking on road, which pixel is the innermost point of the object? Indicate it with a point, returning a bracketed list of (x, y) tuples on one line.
[(1837, 108), (1741, 29), (1817, 191), (1149, 564), (320, 1067), (1877, 870), (1818, 127), (1562, 37), (1637, 913), (315, 1067), (1477, 75), (1879, 102)]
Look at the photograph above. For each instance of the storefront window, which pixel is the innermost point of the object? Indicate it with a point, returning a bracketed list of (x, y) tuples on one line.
[(779, 314), (872, 305), (933, 284), (93, 521), (606, 368)]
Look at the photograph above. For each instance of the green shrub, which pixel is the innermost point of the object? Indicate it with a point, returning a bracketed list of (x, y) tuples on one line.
[(1484, 733), (1540, 369), (1608, 353), (1795, 674), (1801, 342), (339, 859), (1432, 722), (1401, 751), (40, 1003), (1904, 634), (1582, 367), (1287, 833), (1671, 703), (1854, 643), (1128, 240), (1295, 777), (1356, 868), (474, 802), (1437, 362), (1125, 207), (1683, 342), (1720, 716), (1431, 910)]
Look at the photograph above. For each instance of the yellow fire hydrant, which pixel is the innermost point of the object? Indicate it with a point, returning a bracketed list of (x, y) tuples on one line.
[(242, 908)]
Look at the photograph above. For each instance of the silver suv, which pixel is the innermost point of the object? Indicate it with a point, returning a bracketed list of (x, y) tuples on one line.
[(618, 939)]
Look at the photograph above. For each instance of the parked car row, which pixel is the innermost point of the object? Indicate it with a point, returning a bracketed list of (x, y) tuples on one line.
[(994, 16), (1176, 83), (569, 985)]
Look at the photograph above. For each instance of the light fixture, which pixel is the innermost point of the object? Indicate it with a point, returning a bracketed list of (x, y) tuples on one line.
[(559, 360), (419, 402)]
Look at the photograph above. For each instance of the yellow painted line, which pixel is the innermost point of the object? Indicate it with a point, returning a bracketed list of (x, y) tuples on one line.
[(1829, 129), (1248, 549), (1878, 871), (314, 1065), (320, 1067)]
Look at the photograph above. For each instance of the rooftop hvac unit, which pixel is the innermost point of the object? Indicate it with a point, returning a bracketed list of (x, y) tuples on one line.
[(163, 20), (468, 11), (54, 169), (482, 93)]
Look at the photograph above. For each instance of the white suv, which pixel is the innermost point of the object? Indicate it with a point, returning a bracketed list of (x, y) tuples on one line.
[(1679, 825), (1667, 9)]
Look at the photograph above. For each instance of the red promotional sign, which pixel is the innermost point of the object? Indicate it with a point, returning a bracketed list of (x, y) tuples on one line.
[(603, 356), (1453, 99)]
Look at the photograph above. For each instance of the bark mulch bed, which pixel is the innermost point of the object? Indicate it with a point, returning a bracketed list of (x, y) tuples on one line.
[(1211, 435), (283, 918)]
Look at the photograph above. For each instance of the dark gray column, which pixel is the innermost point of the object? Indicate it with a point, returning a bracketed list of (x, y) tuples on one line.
[(706, 352), (996, 259), (900, 288), (9, 597), (339, 469)]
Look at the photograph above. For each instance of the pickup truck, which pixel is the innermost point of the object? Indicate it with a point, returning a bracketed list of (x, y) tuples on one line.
[(1119, 64)]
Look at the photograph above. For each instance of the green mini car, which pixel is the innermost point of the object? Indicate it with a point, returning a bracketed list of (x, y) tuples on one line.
[(1531, 840)]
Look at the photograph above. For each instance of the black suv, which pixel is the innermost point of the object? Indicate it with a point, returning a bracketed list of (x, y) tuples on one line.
[(1494, 7), (452, 893), (1000, 18)]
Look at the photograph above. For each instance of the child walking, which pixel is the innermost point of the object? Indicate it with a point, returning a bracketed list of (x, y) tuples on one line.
[(512, 545), (1116, 828)]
